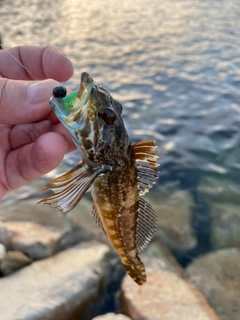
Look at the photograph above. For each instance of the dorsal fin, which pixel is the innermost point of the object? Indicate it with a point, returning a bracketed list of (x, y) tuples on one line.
[(146, 225), (97, 218), (70, 187), (144, 153)]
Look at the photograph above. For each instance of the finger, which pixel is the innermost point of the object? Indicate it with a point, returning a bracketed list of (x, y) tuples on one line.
[(42, 62), (34, 160), (23, 134)]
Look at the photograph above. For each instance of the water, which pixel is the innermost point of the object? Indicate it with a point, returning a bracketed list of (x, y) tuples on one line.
[(175, 66)]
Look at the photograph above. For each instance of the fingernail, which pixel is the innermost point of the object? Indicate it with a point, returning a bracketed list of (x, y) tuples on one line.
[(41, 91), (57, 49)]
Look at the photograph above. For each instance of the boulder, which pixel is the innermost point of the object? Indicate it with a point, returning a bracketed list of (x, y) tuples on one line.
[(112, 316), (3, 252), (217, 276), (34, 240), (70, 285), (219, 189), (173, 209), (37, 230), (225, 225), (164, 296), (13, 261), (156, 256)]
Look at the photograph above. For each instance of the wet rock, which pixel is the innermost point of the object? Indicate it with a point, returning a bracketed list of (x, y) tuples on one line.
[(217, 276), (69, 285), (51, 231), (156, 256), (219, 189), (29, 211), (34, 240), (112, 316), (225, 225), (5, 235), (13, 261), (164, 296), (173, 208), (3, 252)]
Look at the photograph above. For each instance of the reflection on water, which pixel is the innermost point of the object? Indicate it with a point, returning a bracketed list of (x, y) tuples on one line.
[(173, 64)]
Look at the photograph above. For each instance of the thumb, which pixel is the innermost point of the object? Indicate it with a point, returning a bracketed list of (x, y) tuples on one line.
[(24, 101)]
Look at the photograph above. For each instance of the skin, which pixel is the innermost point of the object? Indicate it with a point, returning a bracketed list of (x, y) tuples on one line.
[(33, 142)]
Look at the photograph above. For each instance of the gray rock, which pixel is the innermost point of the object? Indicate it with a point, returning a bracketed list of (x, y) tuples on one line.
[(3, 252), (223, 199), (112, 316), (62, 287), (48, 231), (219, 189), (225, 225), (35, 240), (173, 208), (5, 235), (156, 256), (13, 261), (165, 296), (217, 276)]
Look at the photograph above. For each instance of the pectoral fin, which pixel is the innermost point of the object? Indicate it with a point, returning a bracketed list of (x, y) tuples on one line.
[(70, 187), (144, 153)]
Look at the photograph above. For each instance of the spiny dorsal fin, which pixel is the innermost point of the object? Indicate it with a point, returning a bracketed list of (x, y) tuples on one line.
[(70, 187), (145, 157), (146, 224), (97, 218)]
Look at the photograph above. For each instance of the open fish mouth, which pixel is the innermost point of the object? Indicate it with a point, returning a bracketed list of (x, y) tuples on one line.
[(72, 108)]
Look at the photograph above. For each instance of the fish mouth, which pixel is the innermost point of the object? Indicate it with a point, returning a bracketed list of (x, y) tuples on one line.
[(79, 110), (73, 107)]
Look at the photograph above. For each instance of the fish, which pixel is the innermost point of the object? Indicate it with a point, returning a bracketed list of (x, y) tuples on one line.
[(118, 172)]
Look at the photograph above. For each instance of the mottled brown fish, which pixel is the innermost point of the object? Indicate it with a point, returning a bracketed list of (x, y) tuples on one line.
[(119, 172)]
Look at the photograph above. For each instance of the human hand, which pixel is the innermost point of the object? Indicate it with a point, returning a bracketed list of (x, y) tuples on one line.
[(32, 141)]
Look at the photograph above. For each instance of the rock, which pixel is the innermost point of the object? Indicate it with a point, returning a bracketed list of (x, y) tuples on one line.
[(164, 296), (3, 252), (173, 209), (219, 189), (28, 210), (13, 261), (51, 231), (69, 285), (5, 235), (225, 225), (222, 197), (34, 240), (112, 316), (156, 257), (217, 276)]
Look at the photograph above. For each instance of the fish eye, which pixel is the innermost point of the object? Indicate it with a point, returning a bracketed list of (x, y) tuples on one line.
[(59, 92), (106, 116)]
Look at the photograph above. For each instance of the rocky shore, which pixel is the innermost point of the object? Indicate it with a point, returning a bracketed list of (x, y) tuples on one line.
[(62, 267)]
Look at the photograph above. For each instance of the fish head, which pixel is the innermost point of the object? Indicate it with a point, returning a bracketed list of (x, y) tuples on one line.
[(93, 118)]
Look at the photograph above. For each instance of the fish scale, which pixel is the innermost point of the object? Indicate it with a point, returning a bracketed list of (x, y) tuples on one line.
[(118, 172)]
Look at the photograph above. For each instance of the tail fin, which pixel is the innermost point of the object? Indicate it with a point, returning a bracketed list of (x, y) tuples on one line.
[(136, 271)]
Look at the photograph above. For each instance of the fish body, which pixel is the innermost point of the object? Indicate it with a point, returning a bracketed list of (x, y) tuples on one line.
[(118, 172)]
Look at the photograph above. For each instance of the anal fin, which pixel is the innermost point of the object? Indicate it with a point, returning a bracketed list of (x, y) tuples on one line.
[(146, 225), (97, 218)]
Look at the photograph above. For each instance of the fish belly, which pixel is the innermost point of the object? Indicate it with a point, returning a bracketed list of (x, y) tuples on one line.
[(117, 209)]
